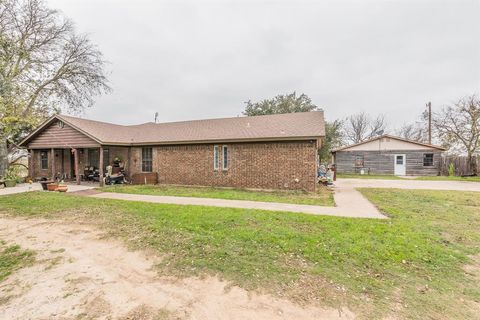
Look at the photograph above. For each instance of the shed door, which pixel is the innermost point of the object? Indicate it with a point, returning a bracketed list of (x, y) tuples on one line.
[(400, 164)]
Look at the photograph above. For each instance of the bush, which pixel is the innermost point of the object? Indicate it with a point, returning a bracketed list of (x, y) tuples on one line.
[(13, 173), (451, 170)]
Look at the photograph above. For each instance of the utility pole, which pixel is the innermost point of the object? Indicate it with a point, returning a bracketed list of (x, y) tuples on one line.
[(429, 106)]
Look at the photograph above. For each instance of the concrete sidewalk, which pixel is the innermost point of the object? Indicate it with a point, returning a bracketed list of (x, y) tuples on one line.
[(350, 203), (27, 187)]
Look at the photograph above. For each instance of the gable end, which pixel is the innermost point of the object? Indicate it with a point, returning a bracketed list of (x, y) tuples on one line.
[(59, 134)]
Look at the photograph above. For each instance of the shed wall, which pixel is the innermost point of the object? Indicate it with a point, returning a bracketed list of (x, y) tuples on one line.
[(382, 162)]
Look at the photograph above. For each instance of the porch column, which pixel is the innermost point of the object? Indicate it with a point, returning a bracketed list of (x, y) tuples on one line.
[(129, 163), (100, 165), (52, 153), (30, 163), (77, 173)]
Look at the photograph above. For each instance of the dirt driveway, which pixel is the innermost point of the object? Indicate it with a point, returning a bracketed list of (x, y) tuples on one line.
[(80, 274)]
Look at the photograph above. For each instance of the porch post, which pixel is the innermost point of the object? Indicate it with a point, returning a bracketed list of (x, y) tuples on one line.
[(52, 153), (77, 173), (100, 165), (30, 163), (129, 163)]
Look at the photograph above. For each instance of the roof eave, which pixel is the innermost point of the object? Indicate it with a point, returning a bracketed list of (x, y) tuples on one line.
[(209, 141)]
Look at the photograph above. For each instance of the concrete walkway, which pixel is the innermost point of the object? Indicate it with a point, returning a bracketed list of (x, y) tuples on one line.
[(350, 203), (26, 187)]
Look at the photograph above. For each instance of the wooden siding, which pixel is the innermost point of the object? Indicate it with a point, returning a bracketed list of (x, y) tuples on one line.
[(145, 178), (377, 162), (57, 137)]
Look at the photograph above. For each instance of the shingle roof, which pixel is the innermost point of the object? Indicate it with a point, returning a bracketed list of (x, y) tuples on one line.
[(268, 127)]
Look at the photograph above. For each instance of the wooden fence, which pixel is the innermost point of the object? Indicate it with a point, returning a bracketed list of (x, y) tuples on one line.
[(460, 164)]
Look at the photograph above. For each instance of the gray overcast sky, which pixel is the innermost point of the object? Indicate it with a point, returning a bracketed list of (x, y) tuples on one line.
[(203, 59)]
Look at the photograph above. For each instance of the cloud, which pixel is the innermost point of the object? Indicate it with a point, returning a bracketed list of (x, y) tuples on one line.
[(202, 59)]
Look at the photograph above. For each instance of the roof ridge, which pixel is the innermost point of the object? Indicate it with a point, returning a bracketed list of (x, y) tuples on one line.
[(195, 120), (90, 120)]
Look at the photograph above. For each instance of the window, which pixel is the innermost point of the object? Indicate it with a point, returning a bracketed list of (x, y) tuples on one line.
[(147, 159), (93, 157), (44, 160), (399, 160), (225, 158), (358, 161), (216, 157), (428, 159)]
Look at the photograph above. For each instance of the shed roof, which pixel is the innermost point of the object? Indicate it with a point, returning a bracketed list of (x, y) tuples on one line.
[(291, 126), (416, 143)]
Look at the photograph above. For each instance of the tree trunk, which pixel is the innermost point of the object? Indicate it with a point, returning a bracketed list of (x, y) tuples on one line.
[(3, 155), (472, 164)]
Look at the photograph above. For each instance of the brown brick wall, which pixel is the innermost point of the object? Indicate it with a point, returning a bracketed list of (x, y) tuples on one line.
[(40, 173), (268, 165), (121, 152), (264, 165), (37, 171)]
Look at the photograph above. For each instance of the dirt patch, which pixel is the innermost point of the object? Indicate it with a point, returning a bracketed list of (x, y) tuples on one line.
[(94, 277), (473, 269)]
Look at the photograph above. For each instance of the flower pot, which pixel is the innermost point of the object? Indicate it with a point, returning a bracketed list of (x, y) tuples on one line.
[(62, 188), (52, 187), (10, 183)]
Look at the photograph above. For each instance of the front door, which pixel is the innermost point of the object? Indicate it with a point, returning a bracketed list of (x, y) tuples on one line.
[(400, 165)]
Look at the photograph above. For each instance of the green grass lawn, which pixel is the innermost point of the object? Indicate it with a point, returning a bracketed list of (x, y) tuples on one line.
[(323, 197), (453, 178), (368, 176), (412, 265), (12, 258)]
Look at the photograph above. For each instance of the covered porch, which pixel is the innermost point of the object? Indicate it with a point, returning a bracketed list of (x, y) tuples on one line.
[(80, 164)]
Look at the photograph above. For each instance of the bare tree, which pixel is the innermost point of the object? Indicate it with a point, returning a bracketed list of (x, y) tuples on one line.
[(458, 127), (412, 131), (360, 127), (45, 67)]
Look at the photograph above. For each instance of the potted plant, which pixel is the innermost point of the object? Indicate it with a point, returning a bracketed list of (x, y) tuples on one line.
[(11, 178), (52, 186), (62, 187), (9, 183)]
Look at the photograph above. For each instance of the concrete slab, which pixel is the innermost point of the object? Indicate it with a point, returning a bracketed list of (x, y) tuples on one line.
[(350, 204), (27, 187)]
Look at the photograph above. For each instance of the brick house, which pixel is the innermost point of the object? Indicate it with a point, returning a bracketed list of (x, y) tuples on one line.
[(267, 152)]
